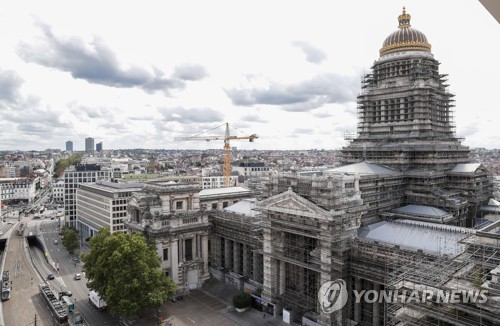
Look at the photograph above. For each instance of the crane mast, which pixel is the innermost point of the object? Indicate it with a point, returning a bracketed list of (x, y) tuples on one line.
[(227, 148)]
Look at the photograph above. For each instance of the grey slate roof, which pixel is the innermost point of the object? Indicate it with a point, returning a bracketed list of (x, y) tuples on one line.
[(429, 237), (362, 168), (422, 210), (465, 167)]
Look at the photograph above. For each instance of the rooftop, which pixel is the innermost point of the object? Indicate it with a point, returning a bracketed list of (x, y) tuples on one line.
[(243, 207), (362, 168), (465, 168), (429, 237), (224, 191)]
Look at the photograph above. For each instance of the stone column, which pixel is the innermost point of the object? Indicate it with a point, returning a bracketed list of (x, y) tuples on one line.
[(236, 255), (255, 263), (204, 249), (270, 278), (376, 307), (245, 260), (216, 250), (228, 258), (282, 277), (174, 263), (357, 305)]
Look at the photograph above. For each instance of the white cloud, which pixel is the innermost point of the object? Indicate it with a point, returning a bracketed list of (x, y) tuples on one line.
[(141, 74)]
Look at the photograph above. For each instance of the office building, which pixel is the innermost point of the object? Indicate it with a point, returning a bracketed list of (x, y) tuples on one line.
[(103, 204), (69, 146), (74, 176), (89, 145)]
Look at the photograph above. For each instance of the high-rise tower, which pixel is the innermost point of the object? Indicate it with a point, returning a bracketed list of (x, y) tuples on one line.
[(89, 145), (69, 146)]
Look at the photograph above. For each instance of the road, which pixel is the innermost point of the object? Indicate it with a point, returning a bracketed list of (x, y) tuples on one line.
[(65, 278), (25, 302)]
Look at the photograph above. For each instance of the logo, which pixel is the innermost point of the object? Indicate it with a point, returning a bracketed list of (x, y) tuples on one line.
[(332, 296)]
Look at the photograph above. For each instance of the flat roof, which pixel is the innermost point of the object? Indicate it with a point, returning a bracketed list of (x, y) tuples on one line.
[(114, 186), (224, 191), (243, 207), (429, 237)]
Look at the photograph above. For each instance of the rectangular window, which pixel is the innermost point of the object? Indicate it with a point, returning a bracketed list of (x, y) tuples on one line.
[(188, 253), (214, 206), (165, 253), (224, 204), (178, 205)]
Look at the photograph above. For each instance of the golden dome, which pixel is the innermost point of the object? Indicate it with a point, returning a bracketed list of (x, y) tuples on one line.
[(405, 38)]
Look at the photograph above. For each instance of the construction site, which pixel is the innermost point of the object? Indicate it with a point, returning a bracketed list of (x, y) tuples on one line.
[(407, 226), (399, 217)]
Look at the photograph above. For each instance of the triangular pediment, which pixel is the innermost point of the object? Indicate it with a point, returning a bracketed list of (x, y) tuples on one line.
[(291, 203)]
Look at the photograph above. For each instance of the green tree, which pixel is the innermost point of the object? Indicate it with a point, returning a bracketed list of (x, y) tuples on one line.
[(126, 271), (70, 240), (63, 164)]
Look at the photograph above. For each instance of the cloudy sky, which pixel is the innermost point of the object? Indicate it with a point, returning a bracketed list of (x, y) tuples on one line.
[(137, 74)]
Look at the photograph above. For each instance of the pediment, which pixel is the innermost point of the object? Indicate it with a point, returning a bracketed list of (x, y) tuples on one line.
[(291, 203)]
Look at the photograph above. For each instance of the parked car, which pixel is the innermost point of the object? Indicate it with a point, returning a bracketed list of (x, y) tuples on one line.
[(56, 242), (50, 277), (77, 276)]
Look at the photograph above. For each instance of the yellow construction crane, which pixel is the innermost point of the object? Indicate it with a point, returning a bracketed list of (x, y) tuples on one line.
[(227, 155)]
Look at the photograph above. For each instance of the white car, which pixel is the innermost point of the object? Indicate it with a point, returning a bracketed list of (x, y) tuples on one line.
[(77, 276)]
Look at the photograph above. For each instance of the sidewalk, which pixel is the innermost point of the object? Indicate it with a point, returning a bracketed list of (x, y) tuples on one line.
[(251, 317)]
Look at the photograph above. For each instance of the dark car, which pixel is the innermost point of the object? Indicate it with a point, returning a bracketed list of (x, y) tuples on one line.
[(50, 277), (67, 293)]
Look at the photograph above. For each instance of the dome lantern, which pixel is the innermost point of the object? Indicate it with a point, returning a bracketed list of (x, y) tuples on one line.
[(404, 19)]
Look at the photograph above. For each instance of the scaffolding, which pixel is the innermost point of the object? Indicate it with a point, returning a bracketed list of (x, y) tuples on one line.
[(406, 272)]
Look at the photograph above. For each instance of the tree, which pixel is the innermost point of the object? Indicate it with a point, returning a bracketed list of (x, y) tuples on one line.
[(242, 300), (70, 240), (125, 270)]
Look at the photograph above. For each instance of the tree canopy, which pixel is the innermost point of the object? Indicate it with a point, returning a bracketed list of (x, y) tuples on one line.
[(125, 270), (70, 239), (63, 164)]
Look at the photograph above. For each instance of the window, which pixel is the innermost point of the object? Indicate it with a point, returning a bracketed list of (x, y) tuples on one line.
[(214, 206), (165, 254), (188, 253), (224, 204), (178, 205)]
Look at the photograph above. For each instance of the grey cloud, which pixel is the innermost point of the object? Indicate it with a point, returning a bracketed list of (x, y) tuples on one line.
[(304, 131), (10, 82), (299, 97), (313, 54), (96, 63), (83, 112), (253, 118), (143, 118), (322, 115), (190, 72), (195, 115), (344, 127), (468, 130), (114, 125)]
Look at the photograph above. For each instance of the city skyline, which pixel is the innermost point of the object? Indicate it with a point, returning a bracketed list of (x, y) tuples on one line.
[(287, 71)]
